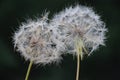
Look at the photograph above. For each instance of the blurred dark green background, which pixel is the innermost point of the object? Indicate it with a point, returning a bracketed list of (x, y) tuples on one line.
[(103, 64)]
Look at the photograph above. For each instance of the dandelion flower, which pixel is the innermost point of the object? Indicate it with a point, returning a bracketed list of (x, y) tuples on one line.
[(80, 23), (81, 30), (36, 42)]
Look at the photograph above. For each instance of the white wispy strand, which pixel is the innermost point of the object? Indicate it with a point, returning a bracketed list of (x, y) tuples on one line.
[(36, 41), (81, 22)]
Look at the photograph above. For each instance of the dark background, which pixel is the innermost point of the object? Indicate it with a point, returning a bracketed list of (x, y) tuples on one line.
[(103, 64)]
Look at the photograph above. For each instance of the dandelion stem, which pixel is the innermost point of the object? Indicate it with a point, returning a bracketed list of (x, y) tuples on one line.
[(79, 48), (78, 67), (28, 71)]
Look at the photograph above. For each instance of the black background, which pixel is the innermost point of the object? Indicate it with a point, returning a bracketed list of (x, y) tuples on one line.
[(103, 64)]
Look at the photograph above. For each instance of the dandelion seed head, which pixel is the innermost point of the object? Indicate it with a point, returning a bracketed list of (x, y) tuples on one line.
[(35, 41), (81, 22)]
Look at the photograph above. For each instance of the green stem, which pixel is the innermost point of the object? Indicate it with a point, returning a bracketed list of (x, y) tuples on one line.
[(79, 46), (28, 71), (78, 67)]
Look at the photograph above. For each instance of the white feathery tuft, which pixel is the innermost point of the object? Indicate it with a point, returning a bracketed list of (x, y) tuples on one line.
[(35, 41), (81, 22)]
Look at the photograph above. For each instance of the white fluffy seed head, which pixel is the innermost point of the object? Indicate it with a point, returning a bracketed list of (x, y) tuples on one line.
[(81, 22), (35, 41)]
